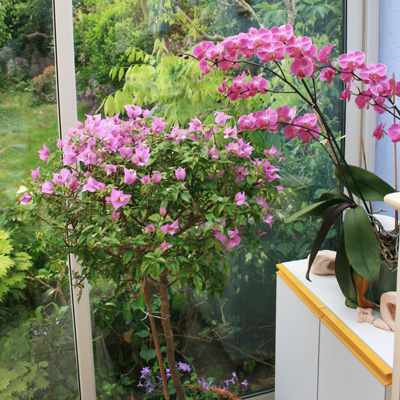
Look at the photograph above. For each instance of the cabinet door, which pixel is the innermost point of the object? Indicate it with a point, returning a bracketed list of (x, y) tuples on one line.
[(342, 375), (297, 343)]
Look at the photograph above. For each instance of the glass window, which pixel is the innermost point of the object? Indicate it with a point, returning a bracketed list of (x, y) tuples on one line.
[(37, 358), (139, 42)]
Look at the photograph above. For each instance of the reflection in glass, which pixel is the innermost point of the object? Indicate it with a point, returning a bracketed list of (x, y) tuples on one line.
[(139, 42), (37, 357)]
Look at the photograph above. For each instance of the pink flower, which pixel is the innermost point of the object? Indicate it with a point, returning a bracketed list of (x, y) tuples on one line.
[(110, 168), (268, 220), (150, 228), (129, 176), (265, 118), (119, 199), (280, 189), (162, 211), (204, 66), (156, 178), (180, 173), (114, 216), (324, 53), (125, 152), (379, 131), (394, 133), (63, 177), (170, 228), (283, 33), (234, 238), (262, 203), (146, 180), (327, 75), (133, 112), (271, 51), (240, 199), (302, 67), (44, 153), (352, 60), (373, 73), (35, 173), (164, 246), (272, 151), (47, 187), (25, 198), (142, 155), (92, 185), (221, 118), (200, 51)]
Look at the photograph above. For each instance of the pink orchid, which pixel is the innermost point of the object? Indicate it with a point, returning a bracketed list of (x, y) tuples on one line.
[(324, 53), (394, 132), (302, 67), (129, 176), (200, 51), (25, 198), (44, 153), (373, 73), (35, 173), (282, 33), (119, 199), (352, 60), (180, 173), (170, 228), (379, 131), (271, 51), (328, 75)]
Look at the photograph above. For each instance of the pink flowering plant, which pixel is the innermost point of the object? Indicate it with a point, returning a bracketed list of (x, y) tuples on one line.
[(151, 205), (298, 68)]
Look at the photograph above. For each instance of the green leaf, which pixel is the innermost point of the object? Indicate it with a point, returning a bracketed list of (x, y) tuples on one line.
[(343, 270), (372, 187), (315, 209), (361, 246), (323, 231), (127, 256)]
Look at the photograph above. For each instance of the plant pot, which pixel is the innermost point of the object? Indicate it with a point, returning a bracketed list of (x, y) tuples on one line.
[(223, 394), (387, 283)]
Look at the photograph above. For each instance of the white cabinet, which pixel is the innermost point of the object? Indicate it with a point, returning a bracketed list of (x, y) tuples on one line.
[(322, 352)]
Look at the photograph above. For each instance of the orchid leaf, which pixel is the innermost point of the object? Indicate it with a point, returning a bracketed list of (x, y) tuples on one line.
[(323, 231), (343, 271), (361, 245), (315, 209), (334, 194), (372, 187)]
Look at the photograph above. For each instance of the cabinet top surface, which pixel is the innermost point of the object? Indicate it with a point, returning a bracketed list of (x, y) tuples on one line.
[(327, 291)]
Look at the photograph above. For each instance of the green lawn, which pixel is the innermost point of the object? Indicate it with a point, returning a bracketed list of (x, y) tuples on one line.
[(24, 127)]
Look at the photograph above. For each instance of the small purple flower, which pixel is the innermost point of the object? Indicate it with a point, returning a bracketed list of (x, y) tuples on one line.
[(245, 383), (184, 367)]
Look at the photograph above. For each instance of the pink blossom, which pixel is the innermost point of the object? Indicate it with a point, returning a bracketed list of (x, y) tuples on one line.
[(164, 246), (271, 51), (44, 153), (142, 155), (157, 177), (327, 75), (230, 133), (247, 122), (258, 84), (204, 66), (379, 131), (92, 185), (280, 189), (265, 118), (262, 203), (221, 118), (25, 198), (282, 33), (302, 67), (234, 238), (125, 152), (129, 176), (114, 216), (200, 51), (268, 220), (352, 60), (63, 177), (133, 111), (324, 53), (373, 73), (150, 228), (119, 199), (240, 199), (47, 187), (272, 151), (297, 46), (394, 132), (162, 211), (110, 168), (286, 114), (291, 131), (74, 185), (170, 228), (35, 173), (145, 180), (180, 173)]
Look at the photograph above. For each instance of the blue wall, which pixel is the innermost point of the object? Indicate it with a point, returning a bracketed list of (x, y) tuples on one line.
[(389, 54)]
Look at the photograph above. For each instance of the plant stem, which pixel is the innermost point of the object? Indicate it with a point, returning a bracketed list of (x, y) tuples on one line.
[(168, 335), (156, 342)]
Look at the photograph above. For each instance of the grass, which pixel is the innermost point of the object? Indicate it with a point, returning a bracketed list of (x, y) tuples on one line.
[(25, 126)]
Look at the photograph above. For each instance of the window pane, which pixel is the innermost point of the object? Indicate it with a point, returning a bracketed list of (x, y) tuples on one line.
[(139, 42), (37, 357)]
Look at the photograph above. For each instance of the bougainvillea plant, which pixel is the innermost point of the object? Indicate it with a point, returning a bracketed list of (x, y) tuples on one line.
[(150, 206), (302, 70)]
